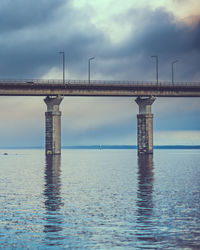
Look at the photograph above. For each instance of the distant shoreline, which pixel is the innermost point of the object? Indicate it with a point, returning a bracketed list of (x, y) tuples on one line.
[(99, 147), (132, 147)]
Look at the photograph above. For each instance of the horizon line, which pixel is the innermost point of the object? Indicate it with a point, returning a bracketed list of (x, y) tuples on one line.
[(102, 146)]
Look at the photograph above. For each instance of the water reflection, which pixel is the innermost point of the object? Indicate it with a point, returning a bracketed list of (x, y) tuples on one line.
[(145, 202), (53, 202)]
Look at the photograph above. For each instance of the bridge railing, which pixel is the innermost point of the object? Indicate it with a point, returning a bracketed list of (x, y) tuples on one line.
[(97, 82)]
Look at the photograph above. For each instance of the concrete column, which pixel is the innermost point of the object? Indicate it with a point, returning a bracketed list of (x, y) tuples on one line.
[(145, 125), (53, 125)]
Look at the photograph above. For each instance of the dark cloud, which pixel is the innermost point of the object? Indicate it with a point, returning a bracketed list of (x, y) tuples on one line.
[(164, 35), (169, 39), (19, 14), (31, 34), (157, 33)]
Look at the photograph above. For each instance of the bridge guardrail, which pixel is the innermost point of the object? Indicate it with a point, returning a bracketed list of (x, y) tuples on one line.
[(96, 82)]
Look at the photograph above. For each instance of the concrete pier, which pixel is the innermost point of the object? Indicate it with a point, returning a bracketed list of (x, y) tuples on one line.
[(145, 125), (53, 125)]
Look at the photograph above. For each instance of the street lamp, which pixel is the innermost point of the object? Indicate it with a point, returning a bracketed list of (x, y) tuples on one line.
[(63, 56), (156, 57), (91, 58), (173, 71)]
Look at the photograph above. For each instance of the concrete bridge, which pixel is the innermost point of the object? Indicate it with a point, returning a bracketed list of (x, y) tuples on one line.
[(55, 90)]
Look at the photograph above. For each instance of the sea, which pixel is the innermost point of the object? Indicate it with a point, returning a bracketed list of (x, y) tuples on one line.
[(100, 199)]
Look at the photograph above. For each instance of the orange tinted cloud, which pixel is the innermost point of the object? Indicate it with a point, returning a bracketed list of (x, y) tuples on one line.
[(187, 10)]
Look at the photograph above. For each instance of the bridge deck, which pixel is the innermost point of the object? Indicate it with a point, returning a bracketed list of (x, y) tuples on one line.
[(97, 88)]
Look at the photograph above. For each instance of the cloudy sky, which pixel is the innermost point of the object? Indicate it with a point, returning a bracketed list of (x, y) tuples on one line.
[(122, 36)]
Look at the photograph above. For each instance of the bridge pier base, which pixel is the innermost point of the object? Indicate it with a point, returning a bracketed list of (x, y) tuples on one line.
[(53, 125), (145, 125)]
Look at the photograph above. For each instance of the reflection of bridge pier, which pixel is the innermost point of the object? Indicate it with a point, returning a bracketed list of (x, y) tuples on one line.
[(52, 183), (145, 202), (53, 218), (145, 184)]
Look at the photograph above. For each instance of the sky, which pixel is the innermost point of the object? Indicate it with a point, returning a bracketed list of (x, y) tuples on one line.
[(122, 36)]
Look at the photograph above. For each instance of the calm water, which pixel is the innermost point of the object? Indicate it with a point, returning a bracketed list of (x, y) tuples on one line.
[(100, 199)]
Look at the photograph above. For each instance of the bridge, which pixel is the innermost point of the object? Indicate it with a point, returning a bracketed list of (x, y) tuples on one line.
[(55, 90), (37, 87)]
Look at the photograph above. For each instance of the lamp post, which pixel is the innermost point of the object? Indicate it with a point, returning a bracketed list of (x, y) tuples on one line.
[(156, 57), (91, 58), (173, 71), (63, 56)]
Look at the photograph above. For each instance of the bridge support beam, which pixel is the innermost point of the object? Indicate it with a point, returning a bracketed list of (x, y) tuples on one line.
[(145, 125), (53, 125)]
